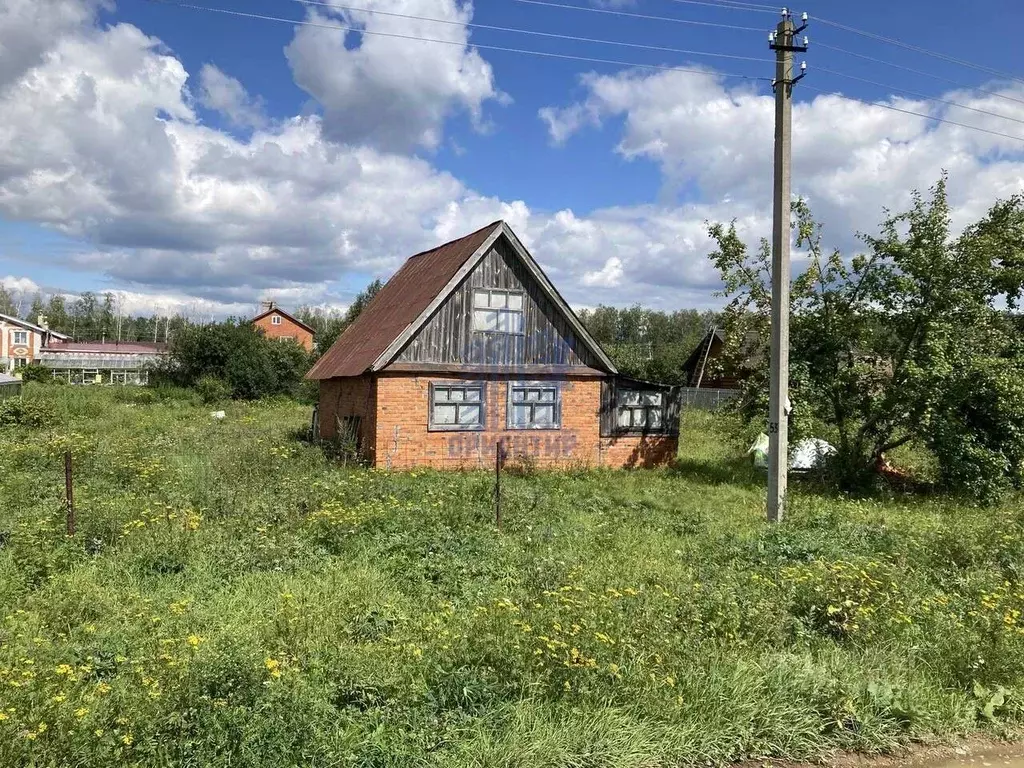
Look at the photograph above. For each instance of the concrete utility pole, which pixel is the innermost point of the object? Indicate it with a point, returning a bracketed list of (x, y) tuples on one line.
[(784, 44)]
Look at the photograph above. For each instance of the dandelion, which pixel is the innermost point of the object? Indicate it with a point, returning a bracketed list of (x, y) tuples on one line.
[(127, 739), (273, 666), (195, 640), (64, 669), (81, 712)]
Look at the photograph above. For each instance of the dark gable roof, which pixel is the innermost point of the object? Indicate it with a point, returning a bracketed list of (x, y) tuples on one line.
[(282, 313), (698, 352), (406, 301), (397, 305)]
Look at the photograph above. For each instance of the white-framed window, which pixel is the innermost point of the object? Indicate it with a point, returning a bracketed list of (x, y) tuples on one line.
[(534, 405), (457, 406), (497, 311), (286, 338), (121, 377), (65, 375), (90, 376), (638, 410), (20, 337), (20, 362), (275, 319)]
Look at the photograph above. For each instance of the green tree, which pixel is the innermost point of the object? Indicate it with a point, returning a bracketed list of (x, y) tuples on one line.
[(908, 342), (236, 353), (57, 314), (84, 317), (7, 304), (107, 318), (36, 309), (645, 343)]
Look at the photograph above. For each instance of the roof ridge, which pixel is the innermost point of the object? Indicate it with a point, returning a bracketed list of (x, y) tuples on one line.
[(494, 223)]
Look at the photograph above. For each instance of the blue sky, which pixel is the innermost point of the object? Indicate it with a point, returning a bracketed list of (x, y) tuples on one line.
[(611, 188)]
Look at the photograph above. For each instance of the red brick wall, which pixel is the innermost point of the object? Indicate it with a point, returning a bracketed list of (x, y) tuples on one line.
[(403, 439), (639, 450), (355, 396), (286, 328)]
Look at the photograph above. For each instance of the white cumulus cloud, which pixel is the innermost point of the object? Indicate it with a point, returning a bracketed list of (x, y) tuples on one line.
[(226, 94), (394, 93)]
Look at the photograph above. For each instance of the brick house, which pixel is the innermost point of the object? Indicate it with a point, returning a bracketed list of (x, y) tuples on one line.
[(278, 324), (469, 344), (22, 341)]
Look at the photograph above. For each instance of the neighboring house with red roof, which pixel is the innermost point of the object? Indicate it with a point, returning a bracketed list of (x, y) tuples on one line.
[(21, 342), (468, 345), (102, 362), (278, 324)]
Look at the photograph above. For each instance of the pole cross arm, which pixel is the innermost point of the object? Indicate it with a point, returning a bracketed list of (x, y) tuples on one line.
[(785, 47)]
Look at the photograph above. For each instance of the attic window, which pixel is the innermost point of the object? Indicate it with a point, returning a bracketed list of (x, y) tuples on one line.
[(20, 337), (496, 311), (275, 320)]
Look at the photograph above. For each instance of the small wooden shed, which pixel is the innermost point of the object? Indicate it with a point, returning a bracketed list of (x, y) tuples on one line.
[(10, 386)]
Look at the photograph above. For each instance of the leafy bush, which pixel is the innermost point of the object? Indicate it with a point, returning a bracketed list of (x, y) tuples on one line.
[(237, 354), (19, 411), (213, 390), (37, 373)]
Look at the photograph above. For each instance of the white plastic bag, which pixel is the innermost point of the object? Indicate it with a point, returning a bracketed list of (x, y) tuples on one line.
[(760, 451)]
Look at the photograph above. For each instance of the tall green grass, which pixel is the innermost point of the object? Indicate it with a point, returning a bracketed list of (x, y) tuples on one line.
[(232, 598)]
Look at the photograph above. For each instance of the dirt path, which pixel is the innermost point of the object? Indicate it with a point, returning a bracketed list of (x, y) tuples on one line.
[(971, 754)]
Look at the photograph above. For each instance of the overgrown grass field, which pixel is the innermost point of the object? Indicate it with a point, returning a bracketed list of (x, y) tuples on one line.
[(234, 598)]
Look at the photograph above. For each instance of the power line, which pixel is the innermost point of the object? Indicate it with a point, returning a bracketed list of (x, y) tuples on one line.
[(725, 5), (537, 33), (543, 54), (632, 15), (918, 95), (883, 105), (919, 49), (958, 83)]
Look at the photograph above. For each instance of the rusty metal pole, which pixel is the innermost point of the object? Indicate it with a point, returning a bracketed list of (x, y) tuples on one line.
[(69, 494)]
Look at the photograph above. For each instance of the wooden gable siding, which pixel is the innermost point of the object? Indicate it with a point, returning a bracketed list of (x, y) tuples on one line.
[(448, 337)]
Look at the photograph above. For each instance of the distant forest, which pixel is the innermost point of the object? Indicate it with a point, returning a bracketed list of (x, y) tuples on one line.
[(90, 317), (649, 344), (645, 343)]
